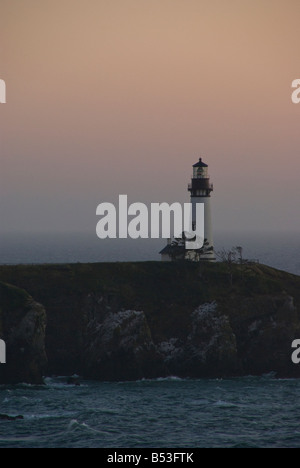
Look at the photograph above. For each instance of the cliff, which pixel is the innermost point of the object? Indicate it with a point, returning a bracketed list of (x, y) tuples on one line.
[(127, 321), (22, 327)]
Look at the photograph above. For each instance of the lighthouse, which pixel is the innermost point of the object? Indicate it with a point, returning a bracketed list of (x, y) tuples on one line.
[(200, 189)]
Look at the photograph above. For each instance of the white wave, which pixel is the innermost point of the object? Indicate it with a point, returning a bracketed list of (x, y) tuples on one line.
[(75, 424), (225, 404), (171, 378)]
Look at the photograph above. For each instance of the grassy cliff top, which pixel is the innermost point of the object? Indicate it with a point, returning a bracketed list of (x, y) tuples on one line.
[(143, 284)]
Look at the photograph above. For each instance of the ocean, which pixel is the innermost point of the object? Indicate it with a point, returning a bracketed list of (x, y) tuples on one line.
[(162, 413), (280, 250)]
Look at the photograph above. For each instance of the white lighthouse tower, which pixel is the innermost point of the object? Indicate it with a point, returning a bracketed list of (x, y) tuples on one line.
[(201, 189)]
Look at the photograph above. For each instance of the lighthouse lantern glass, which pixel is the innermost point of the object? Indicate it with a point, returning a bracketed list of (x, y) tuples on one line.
[(200, 173)]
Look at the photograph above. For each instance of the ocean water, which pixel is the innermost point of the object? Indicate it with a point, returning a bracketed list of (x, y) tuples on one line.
[(166, 413), (280, 250), (163, 413)]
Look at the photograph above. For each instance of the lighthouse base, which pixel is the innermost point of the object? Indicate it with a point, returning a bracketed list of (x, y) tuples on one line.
[(176, 251), (195, 256)]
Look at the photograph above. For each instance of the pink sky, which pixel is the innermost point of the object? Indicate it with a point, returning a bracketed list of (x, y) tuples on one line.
[(123, 96)]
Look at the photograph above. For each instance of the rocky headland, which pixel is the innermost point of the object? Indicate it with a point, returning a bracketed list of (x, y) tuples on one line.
[(127, 321), (22, 327)]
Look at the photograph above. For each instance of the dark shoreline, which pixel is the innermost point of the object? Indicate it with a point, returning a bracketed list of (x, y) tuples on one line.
[(128, 321)]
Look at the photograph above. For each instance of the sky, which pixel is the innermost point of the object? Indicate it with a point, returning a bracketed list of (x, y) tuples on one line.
[(123, 97)]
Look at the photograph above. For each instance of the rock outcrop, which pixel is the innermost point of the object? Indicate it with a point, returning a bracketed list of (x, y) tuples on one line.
[(22, 328), (265, 328), (121, 347), (210, 348), (6, 417), (147, 320), (117, 345)]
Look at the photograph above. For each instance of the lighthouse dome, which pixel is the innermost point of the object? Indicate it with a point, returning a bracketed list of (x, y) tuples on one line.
[(200, 163)]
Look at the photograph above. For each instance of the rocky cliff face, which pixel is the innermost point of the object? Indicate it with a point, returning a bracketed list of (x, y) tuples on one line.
[(120, 345), (133, 321), (265, 328), (22, 327), (210, 348)]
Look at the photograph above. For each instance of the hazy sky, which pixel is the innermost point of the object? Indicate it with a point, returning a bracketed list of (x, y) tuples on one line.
[(109, 97)]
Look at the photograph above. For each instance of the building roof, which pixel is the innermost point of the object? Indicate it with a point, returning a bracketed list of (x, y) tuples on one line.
[(200, 163), (176, 250)]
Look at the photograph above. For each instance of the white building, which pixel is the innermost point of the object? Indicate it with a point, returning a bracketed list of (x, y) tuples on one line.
[(200, 189)]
